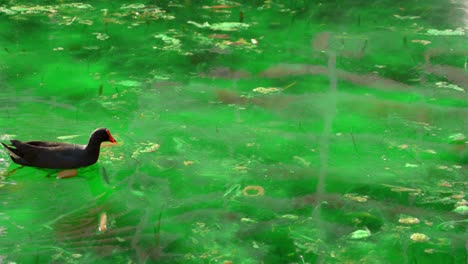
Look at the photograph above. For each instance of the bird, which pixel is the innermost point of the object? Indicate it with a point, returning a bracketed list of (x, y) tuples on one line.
[(57, 155)]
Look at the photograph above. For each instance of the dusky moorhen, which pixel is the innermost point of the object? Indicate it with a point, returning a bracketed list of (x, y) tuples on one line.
[(56, 155)]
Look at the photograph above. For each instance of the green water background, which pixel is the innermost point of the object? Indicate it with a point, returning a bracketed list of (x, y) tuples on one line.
[(341, 166)]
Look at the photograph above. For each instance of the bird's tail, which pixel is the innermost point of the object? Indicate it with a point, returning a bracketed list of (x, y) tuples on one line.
[(11, 152)]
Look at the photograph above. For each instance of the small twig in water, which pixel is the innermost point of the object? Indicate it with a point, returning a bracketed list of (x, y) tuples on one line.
[(354, 141)]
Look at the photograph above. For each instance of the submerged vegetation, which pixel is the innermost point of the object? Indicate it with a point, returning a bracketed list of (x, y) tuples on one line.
[(260, 132)]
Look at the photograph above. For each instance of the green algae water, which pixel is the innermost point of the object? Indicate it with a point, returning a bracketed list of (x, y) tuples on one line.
[(249, 132)]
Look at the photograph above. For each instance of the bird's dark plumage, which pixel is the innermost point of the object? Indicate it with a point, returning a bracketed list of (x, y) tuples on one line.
[(56, 155)]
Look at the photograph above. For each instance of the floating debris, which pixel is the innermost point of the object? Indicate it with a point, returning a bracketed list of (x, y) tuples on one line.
[(408, 220), (133, 6), (170, 42), (264, 90), (407, 17), (461, 195), (258, 191), (457, 138), (101, 36), (403, 146), (3, 231), (290, 216), (241, 168), (78, 5), (218, 36), (147, 147), (234, 190), (103, 222), (247, 220), (395, 188), (419, 237), (430, 151), (224, 26), (129, 83), (421, 41), (7, 137), (444, 167), (463, 210), (188, 162), (447, 85), (302, 161), (361, 233), (429, 250), (445, 184), (220, 6), (356, 198), (446, 32)]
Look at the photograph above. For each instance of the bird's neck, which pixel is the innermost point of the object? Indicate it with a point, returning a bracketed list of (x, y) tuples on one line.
[(93, 146)]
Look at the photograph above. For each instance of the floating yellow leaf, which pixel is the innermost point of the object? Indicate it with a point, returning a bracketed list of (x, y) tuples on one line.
[(443, 167), (356, 198), (188, 162), (463, 210), (424, 42), (103, 222), (101, 36), (445, 184), (85, 22), (129, 83), (409, 220), (457, 138), (240, 167), (449, 86), (247, 220), (224, 26), (147, 147), (446, 32), (264, 90), (241, 41), (406, 17), (419, 237), (395, 188), (133, 6), (290, 216), (302, 161), (362, 233)]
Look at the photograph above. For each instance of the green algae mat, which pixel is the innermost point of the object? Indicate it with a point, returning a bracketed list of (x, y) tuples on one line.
[(248, 132)]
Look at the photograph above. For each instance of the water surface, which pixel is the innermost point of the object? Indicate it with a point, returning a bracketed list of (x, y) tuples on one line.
[(260, 132)]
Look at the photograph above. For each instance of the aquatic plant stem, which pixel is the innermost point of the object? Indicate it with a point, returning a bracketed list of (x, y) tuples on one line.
[(329, 116)]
